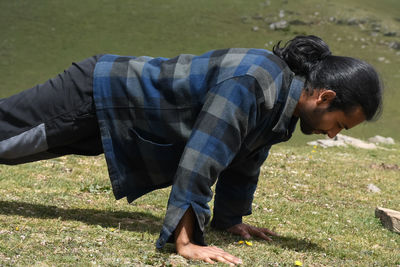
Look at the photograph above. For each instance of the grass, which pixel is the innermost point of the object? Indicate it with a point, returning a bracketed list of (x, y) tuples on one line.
[(62, 212)]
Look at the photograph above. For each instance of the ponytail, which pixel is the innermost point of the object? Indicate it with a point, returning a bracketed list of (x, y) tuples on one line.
[(356, 83), (303, 53)]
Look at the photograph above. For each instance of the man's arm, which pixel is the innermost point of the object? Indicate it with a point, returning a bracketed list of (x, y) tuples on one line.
[(228, 114), (234, 196), (186, 248)]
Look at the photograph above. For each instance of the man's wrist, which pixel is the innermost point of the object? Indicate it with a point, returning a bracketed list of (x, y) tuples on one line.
[(184, 230)]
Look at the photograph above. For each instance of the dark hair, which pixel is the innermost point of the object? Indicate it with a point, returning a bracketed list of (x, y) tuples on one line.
[(355, 82)]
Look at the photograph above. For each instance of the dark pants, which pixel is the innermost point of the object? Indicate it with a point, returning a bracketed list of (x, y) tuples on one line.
[(52, 119)]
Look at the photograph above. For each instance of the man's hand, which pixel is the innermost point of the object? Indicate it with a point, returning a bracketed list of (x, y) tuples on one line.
[(186, 248), (207, 254), (247, 231)]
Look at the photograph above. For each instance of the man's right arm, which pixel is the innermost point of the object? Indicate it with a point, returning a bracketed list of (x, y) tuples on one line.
[(186, 248)]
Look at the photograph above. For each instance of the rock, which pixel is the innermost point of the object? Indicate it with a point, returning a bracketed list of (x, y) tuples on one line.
[(245, 19), (376, 26), (297, 22), (394, 45), (390, 34), (279, 25), (390, 219), (257, 17), (352, 21), (373, 188), (381, 140), (343, 140), (340, 21), (327, 143), (354, 142), (267, 3), (255, 29), (385, 166)]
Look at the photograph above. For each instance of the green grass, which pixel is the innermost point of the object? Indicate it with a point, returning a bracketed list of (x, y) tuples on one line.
[(62, 212)]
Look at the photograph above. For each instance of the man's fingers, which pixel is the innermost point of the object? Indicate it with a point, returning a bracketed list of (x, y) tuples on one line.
[(222, 259), (267, 231), (208, 260), (228, 258), (218, 254), (255, 231), (263, 236), (217, 249)]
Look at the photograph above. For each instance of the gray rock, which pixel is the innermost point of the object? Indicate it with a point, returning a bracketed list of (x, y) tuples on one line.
[(352, 21), (297, 22), (390, 219), (245, 19), (373, 188), (381, 140), (390, 34), (267, 3), (394, 45), (279, 25), (343, 140), (255, 28), (257, 17)]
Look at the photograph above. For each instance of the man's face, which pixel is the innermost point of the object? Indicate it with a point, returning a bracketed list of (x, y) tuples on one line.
[(315, 117), (321, 121)]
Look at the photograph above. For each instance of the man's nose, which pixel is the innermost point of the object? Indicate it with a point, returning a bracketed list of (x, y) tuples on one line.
[(332, 133)]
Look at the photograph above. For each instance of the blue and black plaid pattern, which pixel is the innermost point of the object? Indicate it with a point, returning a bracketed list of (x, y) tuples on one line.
[(189, 120)]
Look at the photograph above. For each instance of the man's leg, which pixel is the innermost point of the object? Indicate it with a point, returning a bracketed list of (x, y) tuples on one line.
[(51, 119)]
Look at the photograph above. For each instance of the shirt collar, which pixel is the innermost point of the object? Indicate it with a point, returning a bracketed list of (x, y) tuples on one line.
[(295, 90)]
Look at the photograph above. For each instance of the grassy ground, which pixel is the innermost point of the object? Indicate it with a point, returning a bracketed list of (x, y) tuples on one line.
[(62, 212)]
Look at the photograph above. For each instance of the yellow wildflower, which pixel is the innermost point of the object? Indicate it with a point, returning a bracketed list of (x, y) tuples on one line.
[(298, 263), (17, 228), (248, 243), (112, 229), (313, 151), (240, 242), (314, 147)]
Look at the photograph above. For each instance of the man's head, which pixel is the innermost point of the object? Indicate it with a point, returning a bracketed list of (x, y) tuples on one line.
[(338, 89), (316, 117)]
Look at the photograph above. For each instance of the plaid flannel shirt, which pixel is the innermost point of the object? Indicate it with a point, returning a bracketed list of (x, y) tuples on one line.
[(189, 120)]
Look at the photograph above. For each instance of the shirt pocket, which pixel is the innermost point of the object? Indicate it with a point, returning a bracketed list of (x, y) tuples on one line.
[(156, 141), (152, 156)]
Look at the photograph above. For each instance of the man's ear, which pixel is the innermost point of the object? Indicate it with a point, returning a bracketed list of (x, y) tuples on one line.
[(325, 97)]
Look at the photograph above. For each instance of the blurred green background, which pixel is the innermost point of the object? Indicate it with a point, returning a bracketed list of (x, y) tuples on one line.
[(39, 39)]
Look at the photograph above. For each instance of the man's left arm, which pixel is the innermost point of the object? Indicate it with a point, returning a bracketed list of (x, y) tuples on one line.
[(234, 195)]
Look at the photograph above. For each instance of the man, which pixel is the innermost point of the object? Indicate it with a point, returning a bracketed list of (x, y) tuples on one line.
[(189, 120)]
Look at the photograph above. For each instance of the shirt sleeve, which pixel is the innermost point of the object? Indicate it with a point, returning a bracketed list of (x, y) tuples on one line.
[(228, 114), (235, 189)]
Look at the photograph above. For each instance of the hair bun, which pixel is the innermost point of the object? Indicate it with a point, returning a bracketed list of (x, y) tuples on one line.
[(303, 53)]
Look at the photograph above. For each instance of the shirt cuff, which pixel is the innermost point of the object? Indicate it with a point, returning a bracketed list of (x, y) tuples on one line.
[(172, 219), (223, 223)]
